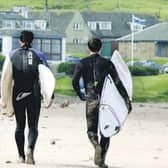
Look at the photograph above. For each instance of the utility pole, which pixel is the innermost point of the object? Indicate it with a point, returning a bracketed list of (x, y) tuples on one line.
[(46, 6), (87, 4), (118, 4)]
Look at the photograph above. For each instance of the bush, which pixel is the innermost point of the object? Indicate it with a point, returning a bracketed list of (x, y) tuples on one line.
[(66, 67), (143, 71)]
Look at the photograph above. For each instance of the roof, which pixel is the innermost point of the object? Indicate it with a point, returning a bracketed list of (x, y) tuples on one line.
[(10, 15), (157, 32), (57, 21), (37, 33), (120, 22)]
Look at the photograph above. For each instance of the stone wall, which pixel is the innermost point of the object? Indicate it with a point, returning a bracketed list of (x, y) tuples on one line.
[(145, 50)]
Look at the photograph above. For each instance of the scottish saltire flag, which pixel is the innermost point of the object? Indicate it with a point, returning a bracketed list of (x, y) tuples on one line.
[(137, 20)]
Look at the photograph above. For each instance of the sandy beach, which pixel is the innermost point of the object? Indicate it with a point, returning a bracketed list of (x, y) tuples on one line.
[(63, 143)]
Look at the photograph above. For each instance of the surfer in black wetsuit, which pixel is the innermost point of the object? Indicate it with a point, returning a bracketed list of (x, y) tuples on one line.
[(93, 70), (26, 96)]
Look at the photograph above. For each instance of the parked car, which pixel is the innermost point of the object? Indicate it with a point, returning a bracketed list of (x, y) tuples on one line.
[(72, 59), (165, 68), (145, 63), (152, 64), (135, 63)]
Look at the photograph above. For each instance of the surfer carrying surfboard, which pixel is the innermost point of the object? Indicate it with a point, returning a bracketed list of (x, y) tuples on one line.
[(93, 70), (21, 66)]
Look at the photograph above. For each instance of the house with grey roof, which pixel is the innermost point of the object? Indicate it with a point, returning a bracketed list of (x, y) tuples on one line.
[(57, 21), (152, 41), (78, 27), (106, 25), (53, 45), (46, 40), (13, 20)]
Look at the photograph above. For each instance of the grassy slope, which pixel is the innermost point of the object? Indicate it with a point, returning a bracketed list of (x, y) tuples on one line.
[(155, 7)]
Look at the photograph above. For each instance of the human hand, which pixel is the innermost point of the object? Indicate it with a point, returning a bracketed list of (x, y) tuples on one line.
[(2, 104), (82, 97), (129, 106), (49, 104)]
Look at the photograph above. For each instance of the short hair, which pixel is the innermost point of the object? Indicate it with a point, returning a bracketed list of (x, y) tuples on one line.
[(26, 37), (94, 44)]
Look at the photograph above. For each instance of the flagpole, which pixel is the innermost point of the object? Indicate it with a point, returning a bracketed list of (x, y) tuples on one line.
[(132, 42)]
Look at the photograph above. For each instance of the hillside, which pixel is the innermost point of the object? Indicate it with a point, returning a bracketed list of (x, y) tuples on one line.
[(154, 7)]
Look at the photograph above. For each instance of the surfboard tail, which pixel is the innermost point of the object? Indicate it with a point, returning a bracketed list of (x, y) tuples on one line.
[(47, 81)]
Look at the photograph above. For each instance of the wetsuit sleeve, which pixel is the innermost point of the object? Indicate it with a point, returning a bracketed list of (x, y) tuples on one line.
[(42, 56), (75, 80), (120, 87), (6, 80)]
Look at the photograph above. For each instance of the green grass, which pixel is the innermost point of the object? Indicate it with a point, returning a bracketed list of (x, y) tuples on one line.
[(160, 61), (150, 88), (145, 89), (64, 86), (80, 55), (154, 7)]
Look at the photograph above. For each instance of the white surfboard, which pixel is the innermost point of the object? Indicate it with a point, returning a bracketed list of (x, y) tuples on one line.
[(46, 78), (47, 82), (112, 110), (123, 72), (7, 87)]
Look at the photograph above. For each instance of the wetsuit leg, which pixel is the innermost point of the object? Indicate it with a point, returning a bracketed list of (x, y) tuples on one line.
[(92, 121), (104, 143), (19, 109), (33, 112)]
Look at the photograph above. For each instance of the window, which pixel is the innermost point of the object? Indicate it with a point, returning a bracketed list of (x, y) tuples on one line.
[(56, 46), (41, 24), (38, 44), (8, 24), (92, 25), (77, 41), (105, 25), (46, 46), (28, 25), (77, 26), (56, 49), (51, 47), (15, 43)]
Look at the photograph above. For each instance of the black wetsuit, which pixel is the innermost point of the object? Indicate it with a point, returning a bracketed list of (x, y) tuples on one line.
[(94, 69), (26, 95)]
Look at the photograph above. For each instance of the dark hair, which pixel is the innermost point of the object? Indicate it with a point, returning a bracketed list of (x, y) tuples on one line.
[(94, 44), (26, 37)]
